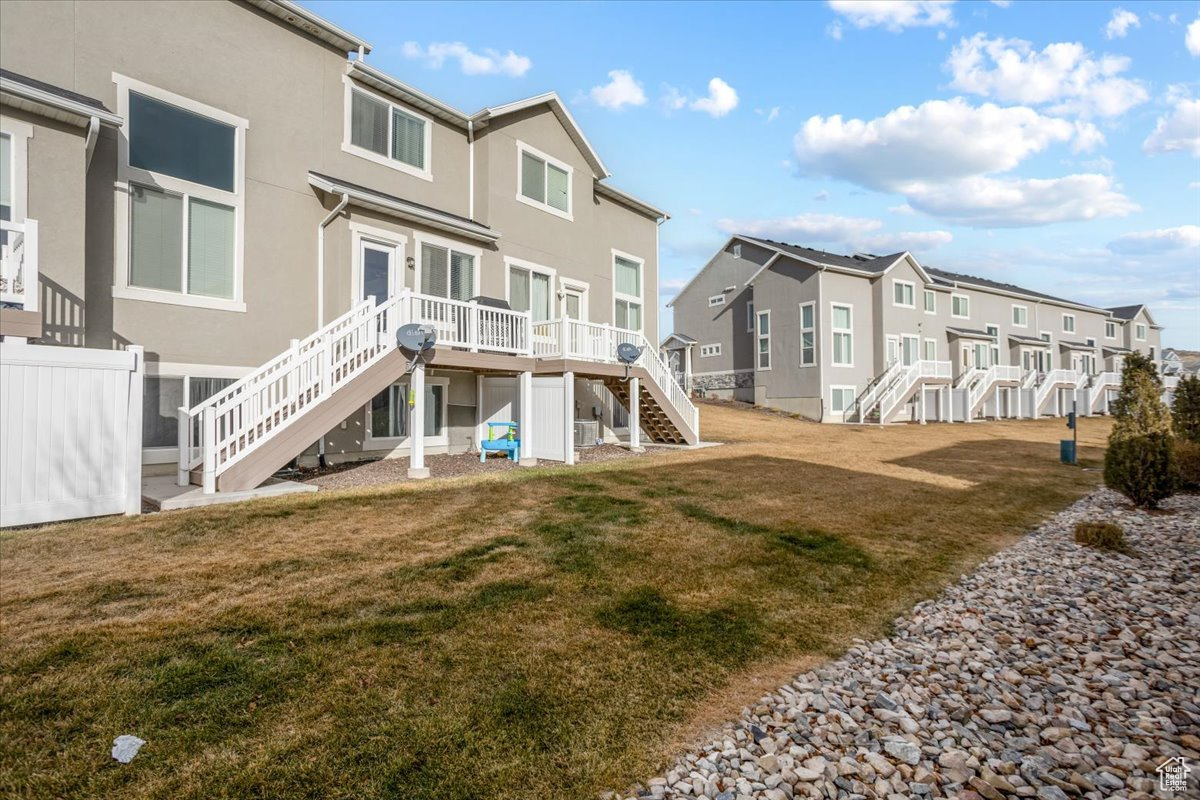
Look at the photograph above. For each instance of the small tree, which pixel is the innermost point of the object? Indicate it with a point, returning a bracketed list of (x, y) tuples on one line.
[(1140, 461), (1186, 410)]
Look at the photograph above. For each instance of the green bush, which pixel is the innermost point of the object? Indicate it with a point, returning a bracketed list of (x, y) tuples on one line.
[(1187, 458), (1140, 461), (1186, 410), (1101, 535)]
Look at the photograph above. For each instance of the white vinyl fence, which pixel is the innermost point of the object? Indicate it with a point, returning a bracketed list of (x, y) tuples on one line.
[(70, 432)]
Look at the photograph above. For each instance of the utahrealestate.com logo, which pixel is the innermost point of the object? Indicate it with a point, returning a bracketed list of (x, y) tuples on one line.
[(1172, 774)]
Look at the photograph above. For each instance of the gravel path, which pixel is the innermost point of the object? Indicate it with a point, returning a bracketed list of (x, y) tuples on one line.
[(386, 471), (1054, 671)]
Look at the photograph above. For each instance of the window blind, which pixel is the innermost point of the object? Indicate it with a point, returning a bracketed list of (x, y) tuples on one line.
[(533, 177), (435, 279), (155, 239), (540, 297), (625, 277), (408, 139), (462, 276), (518, 288), (557, 183), (210, 249), (368, 123)]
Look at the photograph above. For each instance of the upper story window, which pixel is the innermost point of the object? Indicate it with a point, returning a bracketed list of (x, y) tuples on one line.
[(993, 331), (447, 269), (960, 306), (808, 343), (529, 288), (716, 300), (737, 250), (627, 291), (386, 133), (1140, 332), (1068, 323), (904, 294), (1045, 336), (180, 228), (841, 321), (749, 316), (764, 340), (543, 182), (930, 302), (1020, 316), (1110, 330)]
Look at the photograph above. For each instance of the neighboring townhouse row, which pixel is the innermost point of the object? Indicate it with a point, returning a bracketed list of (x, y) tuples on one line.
[(226, 183), (865, 337)]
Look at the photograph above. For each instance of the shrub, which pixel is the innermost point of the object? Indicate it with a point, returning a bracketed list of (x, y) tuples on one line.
[(1186, 410), (1140, 461), (1101, 535), (1187, 458)]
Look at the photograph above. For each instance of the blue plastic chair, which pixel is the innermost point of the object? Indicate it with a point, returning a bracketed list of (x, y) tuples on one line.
[(508, 442)]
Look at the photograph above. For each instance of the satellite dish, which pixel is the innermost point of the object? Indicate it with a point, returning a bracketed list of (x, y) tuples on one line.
[(415, 339), (628, 354)]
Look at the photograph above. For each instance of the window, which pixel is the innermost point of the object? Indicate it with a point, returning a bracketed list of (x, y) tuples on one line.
[(716, 300), (1110, 330), (710, 350), (930, 350), (180, 221), (930, 302), (982, 353), (7, 180), (627, 291), (1068, 323), (840, 398), (764, 340), (161, 399), (378, 256), (903, 293), (737, 250), (960, 306), (446, 269), (387, 416), (841, 320), (1091, 341), (1140, 332), (1045, 336), (909, 349), (543, 182), (382, 131), (750, 317), (529, 289), (1020, 316), (808, 341)]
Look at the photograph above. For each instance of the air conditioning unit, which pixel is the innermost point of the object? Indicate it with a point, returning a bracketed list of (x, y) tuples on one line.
[(587, 432)]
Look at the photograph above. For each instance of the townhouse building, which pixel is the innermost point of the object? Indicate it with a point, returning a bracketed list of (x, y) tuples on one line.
[(234, 188), (852, 338)]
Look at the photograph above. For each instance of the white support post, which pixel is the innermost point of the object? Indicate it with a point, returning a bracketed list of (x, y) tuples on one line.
[(133, 433), (944, 405), (635, 416), (479, 432), (569, 417), (416, 424), (473, 326), (525, 418), (183, 439), (564, 335), (922, 390), (208, 445), (32, 299)]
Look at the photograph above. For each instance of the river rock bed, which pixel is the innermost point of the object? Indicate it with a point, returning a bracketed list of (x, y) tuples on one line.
[(1054, 671)]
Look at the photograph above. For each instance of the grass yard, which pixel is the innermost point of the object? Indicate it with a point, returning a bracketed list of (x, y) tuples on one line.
[(544, 633)]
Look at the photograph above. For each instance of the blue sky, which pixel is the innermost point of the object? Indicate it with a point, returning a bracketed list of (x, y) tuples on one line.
[(1053, 145)]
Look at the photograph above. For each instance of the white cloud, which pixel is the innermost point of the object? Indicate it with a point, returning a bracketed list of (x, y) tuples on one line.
[(834, 29), (895, 15), (669, 285), (621, 90), (491, 62), (771, 114), (722, 98), (1192, 37), (1162, 240), (987, 202), (672, 99), (903, 208), (850, 233), (1178, 131), (1120, 23), (1064, 74), (1002, 3)]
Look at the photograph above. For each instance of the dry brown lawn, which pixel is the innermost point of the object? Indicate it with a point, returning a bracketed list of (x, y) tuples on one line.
[(535, 633)]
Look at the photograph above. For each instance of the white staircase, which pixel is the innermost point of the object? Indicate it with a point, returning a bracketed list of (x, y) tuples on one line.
[(1052, 381), (228, 428), (983, 384), (888, 393), (1102, 384)]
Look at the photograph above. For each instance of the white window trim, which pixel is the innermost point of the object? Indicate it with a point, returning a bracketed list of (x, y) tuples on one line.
[(1139, 331), (1109, 325), (426, 173), (569, 214), (833, 331), (420, 239), (840, 388), (925, 349), (1071, 317), (749, 316), (19, 133), (737, 250), (905, 337), (912, 287), (398, 242), (185, 371), (1013, 316), (582, 288), (1046, 336), (127, 174), (710, 350), (758, 337), (963, 297), (716, 300), (813, 329), (641, 262), (396, 443), (520, 263), (929, 293)]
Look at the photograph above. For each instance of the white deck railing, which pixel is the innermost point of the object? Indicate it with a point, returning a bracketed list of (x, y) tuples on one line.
[(1054, 379), (979, 390), (19, 264), (910, 376), (1102, 384), (867, 400)]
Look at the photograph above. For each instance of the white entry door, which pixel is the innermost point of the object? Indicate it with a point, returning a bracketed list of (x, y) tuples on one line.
[(574, 301), (893, 350), (377, 263)]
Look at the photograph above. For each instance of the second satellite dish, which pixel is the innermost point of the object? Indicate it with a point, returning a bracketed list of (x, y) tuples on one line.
[(628, 354), (415, 339)]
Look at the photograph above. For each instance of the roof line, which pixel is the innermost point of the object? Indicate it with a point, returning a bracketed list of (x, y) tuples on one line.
[(614, 193), (315, 25), (40, 98), (561, 111)]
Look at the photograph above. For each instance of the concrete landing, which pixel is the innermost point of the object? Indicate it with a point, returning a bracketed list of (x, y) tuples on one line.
[(161, 492)]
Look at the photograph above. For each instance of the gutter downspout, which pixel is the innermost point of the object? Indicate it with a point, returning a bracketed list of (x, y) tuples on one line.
[(321, 288), (93, 133), (471, 169)]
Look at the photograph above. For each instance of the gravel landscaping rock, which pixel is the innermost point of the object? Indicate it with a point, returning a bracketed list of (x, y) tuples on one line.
[(1054, 671)]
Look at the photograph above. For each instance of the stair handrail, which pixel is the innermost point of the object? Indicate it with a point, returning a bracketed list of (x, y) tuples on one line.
[(867, 399)]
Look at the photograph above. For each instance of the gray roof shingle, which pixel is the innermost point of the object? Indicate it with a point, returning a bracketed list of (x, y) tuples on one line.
[(57, 91)]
